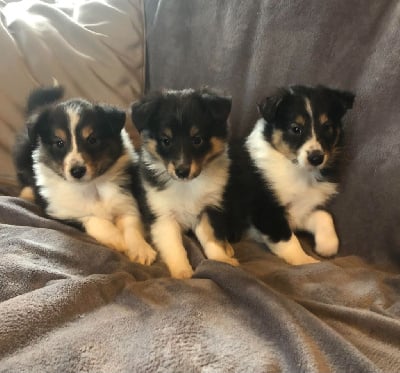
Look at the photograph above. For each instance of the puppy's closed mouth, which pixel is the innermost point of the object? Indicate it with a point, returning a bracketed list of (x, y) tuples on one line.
[(184, 173)]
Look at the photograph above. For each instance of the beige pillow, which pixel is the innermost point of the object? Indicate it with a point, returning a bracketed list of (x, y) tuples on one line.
[(95, 50)]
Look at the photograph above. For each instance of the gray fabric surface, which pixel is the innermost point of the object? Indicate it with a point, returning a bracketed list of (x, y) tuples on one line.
[(249, 48), (68, 304)]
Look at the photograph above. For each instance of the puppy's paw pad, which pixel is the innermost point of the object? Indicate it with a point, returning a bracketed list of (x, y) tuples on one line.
[(326, 245)]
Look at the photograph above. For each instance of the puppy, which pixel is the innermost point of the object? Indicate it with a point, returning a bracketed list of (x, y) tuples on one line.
[(184, 168), (283, 173), (76, 160)]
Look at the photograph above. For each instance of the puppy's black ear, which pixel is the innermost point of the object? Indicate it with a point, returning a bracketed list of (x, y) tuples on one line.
[(115, 117), (342, 100), (35, 123), (143, 110), (219, 106), (346, 98), (43, 96), (269, 106)]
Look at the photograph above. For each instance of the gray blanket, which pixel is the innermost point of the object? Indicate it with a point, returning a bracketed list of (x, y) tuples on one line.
[(71, 305)]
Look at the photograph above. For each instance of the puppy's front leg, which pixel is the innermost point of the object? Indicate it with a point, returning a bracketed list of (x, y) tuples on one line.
[(105, 232), (289, 250), (137, 249), (167, 237), (213, 248), (320, 223), (279, 237)]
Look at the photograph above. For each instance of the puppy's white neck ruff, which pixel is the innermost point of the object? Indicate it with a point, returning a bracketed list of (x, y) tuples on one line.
[(185, 200)]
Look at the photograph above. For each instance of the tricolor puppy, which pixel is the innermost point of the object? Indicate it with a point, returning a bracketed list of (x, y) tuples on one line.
[(184, 168), (78, 160), (287, 167)]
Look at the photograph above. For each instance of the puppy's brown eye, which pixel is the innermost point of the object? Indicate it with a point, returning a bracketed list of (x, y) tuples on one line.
[(92, 140), (166, 141), (58, 143), (197, 140), (296, 129)]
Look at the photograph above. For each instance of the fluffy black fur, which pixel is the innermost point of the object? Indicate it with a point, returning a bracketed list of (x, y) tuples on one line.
[(79, 162), (184, 168), (251, 198)]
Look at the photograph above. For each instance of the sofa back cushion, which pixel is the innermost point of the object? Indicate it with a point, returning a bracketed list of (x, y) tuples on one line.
[(248, 48), (94, 49)]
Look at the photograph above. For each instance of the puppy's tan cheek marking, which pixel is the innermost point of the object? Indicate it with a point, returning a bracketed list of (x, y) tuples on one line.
[(61, 134), (195, 169), (167, 132), (300, 120), (323, 118), (280, 145), (86, 132), (217, 147), (194, 131), (170, 168)]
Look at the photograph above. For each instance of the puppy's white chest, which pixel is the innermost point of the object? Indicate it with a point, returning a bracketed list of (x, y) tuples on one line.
[(185, 200), (301, 202), (69, 201)]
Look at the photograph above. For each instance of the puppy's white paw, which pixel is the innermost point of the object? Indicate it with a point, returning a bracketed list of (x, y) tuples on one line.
[(142, 253), (229, 260), (290, 251), (229, 249), (304, 259), (27, 194), (327, 243), (181, 272)]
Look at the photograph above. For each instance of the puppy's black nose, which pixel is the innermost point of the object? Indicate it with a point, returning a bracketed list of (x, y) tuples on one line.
[(78, 171), (182, 171), (316, 157)]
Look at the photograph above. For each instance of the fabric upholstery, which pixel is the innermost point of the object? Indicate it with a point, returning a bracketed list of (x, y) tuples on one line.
[(95, 49)]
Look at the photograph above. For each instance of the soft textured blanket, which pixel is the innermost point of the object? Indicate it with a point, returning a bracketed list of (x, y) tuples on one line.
[(68, 304)]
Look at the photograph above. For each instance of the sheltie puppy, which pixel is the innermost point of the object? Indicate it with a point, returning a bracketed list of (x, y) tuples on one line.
[(75, 159), (184, 168), (284, 172)]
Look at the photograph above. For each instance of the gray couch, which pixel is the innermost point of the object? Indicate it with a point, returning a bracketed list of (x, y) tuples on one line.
[(68, 304)]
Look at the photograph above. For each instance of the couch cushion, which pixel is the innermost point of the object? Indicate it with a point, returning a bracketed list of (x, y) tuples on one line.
[(95, 49)]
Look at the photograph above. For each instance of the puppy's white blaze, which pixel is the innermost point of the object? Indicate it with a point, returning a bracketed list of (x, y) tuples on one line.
[(312, 143), (309, 111), (290, 251), (296, 187), (73, 158)]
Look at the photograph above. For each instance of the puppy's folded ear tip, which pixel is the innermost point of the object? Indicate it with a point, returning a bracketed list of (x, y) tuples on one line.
[(143, 109), (348, 99)]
